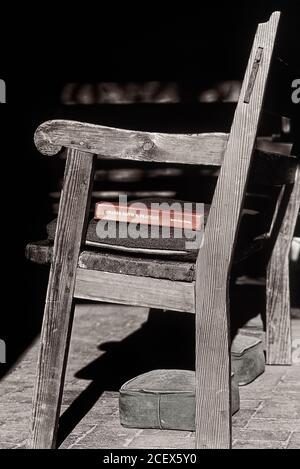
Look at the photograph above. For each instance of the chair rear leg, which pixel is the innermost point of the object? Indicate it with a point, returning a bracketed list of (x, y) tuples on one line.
[(58, 313), (278, 322)]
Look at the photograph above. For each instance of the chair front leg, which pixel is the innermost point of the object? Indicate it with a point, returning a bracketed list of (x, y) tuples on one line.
[(58, 313), (213, 367)]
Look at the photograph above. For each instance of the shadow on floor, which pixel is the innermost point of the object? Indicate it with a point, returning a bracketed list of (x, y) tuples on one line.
[(165, 341)]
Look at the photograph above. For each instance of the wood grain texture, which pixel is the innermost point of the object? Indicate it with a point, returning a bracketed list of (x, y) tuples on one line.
[(58, 313), (109, 142), (196, 149), (158, 268), (278, 330), (213, 399), (133, 290)]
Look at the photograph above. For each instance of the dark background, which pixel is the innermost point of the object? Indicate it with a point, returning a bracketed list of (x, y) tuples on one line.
[(192, 47)]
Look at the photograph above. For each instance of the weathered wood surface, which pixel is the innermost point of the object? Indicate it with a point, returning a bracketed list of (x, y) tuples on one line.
[(213, 400), (204, 149), (138, 266), (40, 252), (58, 314), (133, 290), (278, 330), (51, 136)]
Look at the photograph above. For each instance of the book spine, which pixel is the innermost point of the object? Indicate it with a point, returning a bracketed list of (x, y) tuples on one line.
[(127, 214)]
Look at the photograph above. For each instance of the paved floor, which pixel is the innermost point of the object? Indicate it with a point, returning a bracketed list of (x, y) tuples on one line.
[(270, 407)]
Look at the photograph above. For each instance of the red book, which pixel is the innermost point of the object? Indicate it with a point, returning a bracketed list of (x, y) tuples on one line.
[(148, 216)]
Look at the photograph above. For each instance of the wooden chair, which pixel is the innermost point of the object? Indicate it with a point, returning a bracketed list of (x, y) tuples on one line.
[(74, 275)]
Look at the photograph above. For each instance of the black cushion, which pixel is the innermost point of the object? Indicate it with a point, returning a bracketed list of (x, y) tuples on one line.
[(174, 245), (158, 258)]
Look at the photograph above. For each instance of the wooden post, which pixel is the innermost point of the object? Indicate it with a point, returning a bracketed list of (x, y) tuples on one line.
[(58, 313), (213, 391), (278, 322)]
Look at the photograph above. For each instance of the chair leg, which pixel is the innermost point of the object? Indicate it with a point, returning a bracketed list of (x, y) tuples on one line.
[(50, 377), (58, 314), (278, 322), (213, 373)]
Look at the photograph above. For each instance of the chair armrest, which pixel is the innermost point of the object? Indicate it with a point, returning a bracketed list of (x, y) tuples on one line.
[(108, 142)]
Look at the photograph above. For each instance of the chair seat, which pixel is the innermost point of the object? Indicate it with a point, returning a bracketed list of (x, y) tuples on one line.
[(40, 252), (163, 258), (170, 268)]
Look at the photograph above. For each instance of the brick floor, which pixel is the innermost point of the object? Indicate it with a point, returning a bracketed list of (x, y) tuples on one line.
[(270, 407)]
